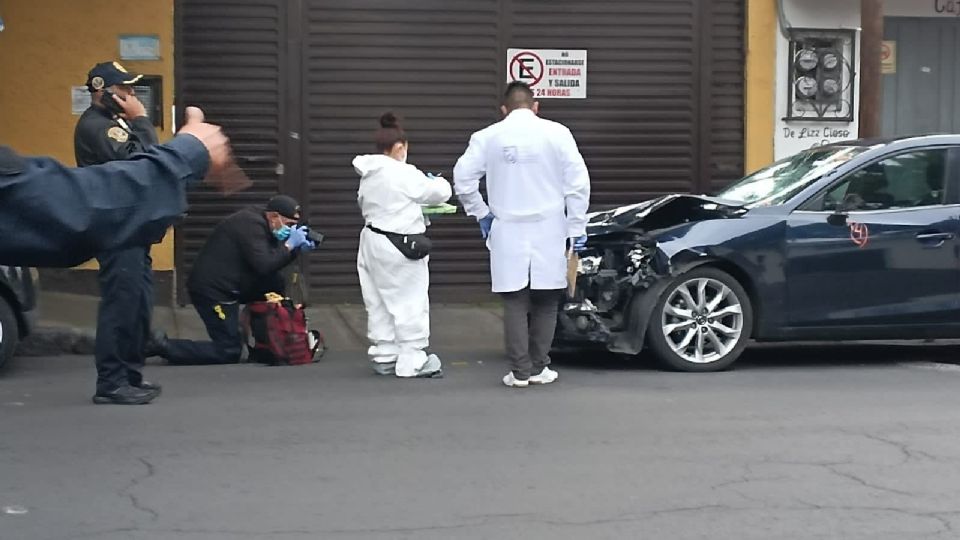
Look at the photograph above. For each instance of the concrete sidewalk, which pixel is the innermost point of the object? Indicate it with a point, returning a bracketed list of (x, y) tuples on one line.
[(68, 323)]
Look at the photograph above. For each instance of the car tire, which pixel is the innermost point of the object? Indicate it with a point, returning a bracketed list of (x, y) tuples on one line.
[(9, 332), (710, 335)]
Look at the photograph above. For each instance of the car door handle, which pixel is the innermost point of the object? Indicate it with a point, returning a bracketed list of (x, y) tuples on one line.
[(936, 238)]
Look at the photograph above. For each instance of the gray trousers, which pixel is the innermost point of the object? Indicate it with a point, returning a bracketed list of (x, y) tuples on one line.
[(529, 322)]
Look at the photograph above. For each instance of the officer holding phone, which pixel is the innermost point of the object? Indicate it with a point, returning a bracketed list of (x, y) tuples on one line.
[(115, 127)]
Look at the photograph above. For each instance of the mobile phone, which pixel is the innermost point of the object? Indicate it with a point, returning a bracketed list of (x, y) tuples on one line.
[(111, 104)]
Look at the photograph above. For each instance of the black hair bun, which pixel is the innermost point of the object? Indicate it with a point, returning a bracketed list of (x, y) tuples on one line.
[(389, 120)]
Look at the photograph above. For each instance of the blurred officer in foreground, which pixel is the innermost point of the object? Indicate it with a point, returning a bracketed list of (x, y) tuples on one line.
[(58, 217), (54, 216), (115, 127)]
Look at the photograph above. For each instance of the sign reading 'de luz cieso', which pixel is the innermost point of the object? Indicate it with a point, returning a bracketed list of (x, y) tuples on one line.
[(551, 73)]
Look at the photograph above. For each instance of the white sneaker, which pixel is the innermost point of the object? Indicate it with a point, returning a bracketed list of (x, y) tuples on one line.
[(513, 382), (432, 368), (546, 376), (384, 368)]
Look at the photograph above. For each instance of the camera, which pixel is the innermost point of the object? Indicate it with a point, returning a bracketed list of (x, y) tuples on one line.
[(312, 235)]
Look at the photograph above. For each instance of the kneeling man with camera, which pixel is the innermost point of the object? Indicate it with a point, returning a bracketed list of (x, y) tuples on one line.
[(240, 263)]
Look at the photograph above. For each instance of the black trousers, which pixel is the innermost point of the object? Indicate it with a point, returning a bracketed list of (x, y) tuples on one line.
[(529, 324), (222, 320), (123, 317)]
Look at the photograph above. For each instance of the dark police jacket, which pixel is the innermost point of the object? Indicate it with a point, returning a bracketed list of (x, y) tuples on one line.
[(55, 216), (241, 259), (98, 138)]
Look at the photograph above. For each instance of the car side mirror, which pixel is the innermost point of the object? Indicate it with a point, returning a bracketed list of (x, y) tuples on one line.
[(850, 202), (837, 219)]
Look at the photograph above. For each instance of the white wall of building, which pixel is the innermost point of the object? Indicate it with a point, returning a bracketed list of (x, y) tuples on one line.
[(791, 137)]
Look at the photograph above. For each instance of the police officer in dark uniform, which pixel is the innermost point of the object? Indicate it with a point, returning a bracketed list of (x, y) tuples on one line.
[(115, 127)]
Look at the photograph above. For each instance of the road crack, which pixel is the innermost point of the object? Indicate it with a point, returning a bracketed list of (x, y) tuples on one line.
[(135, 501)]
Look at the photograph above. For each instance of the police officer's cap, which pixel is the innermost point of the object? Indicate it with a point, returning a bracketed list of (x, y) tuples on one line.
[(284, 205), (106, 74)]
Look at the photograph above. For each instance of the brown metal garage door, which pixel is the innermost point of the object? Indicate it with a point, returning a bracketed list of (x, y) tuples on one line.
[(664, 111), (436, 62), (230, 57)]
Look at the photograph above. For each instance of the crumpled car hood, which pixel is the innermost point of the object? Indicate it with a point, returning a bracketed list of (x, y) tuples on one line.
[(662, 212)]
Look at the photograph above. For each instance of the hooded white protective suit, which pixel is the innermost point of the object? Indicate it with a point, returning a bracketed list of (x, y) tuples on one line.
[(395, 288)]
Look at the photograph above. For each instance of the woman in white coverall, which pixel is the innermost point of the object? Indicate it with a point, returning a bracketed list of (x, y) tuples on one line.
[(395, 287)]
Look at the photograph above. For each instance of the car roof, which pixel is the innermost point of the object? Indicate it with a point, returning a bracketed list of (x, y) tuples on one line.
[(903, 141)]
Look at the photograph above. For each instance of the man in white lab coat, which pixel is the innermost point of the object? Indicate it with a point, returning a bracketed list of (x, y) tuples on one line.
[(539, 191)]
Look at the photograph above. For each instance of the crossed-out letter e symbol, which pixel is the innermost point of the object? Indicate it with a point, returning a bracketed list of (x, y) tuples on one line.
[(526, 72)]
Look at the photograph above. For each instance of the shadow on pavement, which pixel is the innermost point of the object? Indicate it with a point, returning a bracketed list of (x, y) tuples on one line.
[(783, 355)]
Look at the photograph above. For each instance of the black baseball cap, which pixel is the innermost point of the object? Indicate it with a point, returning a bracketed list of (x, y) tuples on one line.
[(107, 74), (284, 205)]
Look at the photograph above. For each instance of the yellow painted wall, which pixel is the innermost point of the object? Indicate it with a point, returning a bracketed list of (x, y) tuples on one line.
[(49, 46), (761, 83)]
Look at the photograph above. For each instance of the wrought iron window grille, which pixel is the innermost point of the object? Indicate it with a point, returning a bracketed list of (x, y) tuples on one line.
[(821, 75)]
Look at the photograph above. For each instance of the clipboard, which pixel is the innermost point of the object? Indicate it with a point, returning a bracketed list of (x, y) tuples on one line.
[(573, 265)]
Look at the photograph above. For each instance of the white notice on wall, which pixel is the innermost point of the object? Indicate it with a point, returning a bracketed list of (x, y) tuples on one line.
[(139, 47), (551, 73), (79, 99)]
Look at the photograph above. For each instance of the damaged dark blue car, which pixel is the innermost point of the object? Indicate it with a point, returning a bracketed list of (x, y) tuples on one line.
[(850, 241)]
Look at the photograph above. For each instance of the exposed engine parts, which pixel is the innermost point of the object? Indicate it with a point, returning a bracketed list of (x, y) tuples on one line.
[(622, 262), (607, 276)]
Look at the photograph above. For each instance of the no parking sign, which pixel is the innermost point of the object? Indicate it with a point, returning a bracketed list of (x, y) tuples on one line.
[(551, 73)]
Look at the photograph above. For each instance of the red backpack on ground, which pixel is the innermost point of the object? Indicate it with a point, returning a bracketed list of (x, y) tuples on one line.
[(279, 334)]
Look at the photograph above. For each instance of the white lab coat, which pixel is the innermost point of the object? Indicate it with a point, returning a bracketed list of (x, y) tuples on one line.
[(395, 288), (539, 192)]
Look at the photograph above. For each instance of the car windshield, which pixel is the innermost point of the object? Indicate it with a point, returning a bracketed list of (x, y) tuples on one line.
[(785, 178)]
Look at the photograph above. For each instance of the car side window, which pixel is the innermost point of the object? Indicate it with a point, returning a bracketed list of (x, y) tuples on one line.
[(902, 181)]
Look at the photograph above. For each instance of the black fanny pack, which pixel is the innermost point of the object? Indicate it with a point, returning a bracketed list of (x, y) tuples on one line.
[(412, 246)]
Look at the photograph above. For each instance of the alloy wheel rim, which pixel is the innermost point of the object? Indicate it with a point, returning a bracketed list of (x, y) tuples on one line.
[(702, 320)]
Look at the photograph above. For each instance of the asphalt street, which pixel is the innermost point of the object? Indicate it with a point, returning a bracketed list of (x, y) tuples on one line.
[(797, 442)]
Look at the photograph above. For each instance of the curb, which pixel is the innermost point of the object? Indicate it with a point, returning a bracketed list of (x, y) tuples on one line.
[(67, 325), (55, 340)]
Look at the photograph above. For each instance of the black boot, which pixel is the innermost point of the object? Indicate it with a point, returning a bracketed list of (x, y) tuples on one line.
[(156, 345), (125, 395)]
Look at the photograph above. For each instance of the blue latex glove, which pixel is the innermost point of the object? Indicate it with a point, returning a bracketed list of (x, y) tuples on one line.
[(579, 244), (309, 245), (485, 224), (298, 238)]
